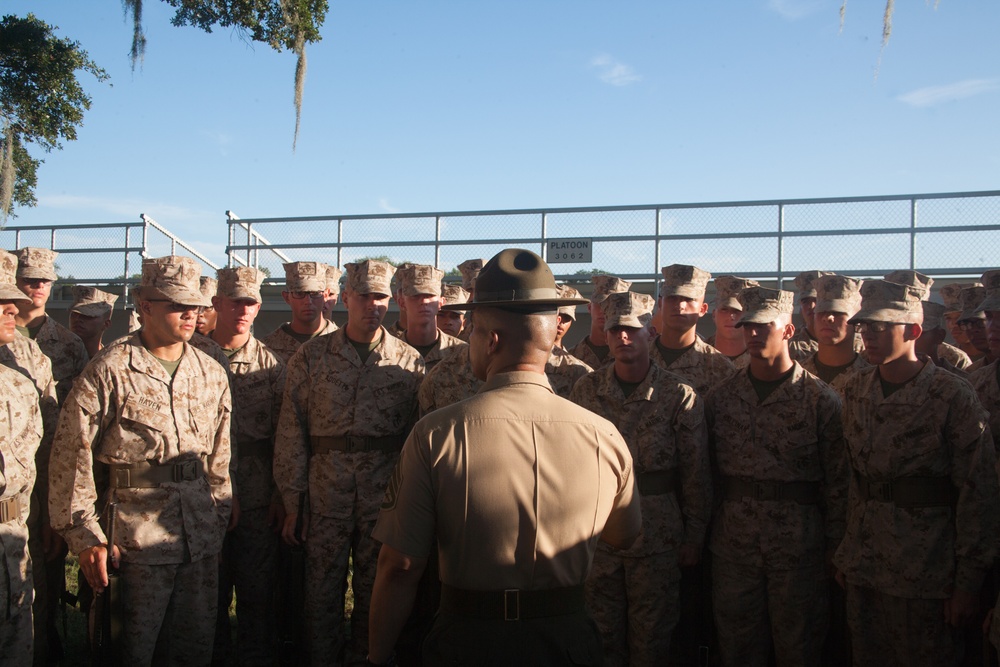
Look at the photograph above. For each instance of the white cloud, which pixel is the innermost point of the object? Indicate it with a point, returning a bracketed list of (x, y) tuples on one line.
[(612, 72), (127, 208), (793, 10), (383, 204), (934, 95)]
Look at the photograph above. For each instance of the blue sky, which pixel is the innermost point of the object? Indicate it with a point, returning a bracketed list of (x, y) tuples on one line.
[(443, 106)]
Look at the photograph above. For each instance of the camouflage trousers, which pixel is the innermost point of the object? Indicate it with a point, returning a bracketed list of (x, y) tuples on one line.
[(16, 597), (330, 544), (169, 612), (755, 606), (887, 630), (249, 564), (635, 603)]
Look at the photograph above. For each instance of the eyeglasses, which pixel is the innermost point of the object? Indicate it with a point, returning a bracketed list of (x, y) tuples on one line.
[(179, 307), (298, 296), (972, 325), (876, 327)]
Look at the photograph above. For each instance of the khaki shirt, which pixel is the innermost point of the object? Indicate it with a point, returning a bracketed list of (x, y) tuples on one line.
[(65, 350), (284, 346), (526, 482), (257, 384), (702, 366), (20, 435), (330, 392), (954, 356), (126, 409), (934, 426), (586, 354), (794, 435), (663, 422)]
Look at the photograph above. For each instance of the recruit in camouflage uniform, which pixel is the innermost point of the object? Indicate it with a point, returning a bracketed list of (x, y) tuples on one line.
[(678, 348), (633, 594), (726, 312), (838, 298), (305, 288), (343, 421), (419, 296), (20, 438), (207, 317), (973, 323), (951, 295), (932, 335), (955, 358), (593, 349), (90, 316), (923, 508), (399, 326), (804, 342), (452, 321), (776, 441), (333, 275), (250, 556), (164, 440), (566, 314), (469, 269)]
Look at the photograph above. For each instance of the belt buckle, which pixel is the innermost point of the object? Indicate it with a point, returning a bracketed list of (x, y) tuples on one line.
[(5, 509), (764, 491), (123, 478), (356, 443), (883, 491), (186, 471), (512, 604)]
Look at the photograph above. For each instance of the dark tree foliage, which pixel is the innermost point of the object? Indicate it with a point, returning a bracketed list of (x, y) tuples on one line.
[(41, 101)]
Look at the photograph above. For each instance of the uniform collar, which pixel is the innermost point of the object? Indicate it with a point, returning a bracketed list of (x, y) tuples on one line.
[(502, 380)]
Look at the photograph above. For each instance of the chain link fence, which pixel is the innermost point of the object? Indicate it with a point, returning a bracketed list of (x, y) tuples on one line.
[(948, 234)]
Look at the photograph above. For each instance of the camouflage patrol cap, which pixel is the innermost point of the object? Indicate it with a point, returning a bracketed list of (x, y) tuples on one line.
[(837, 294), (684, 280), (762, 305), (208, 287), (370, 277), (173, 278), (567, 292), (240, 282), (971, 297), (9, 291), (517, 280), (911, 278), (36, 263), (933, 315), (991, 282), (804, 281), (333, 275), (605, 285), (951, 294), (728, 288), (627, 309), (470, 269), (454, 294), (883, 301), (92, 302), (397, 278), (422, 279), (305, 276)]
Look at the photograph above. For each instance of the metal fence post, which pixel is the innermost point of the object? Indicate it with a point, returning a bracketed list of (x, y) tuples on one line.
[(545, 228), (913, 234), (781, 243), (437, 241), (340, 241)]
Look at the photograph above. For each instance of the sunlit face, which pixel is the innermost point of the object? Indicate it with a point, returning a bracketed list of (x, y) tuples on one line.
[(725, 319), (206, 321), (887, 341), (8, 327), (168, 322), (330, 303), (596, 316), (235, 315), (365, 312), (679, 314), (975, 331), (955, 330), (765, 340), (307, 307), (421, 309), (629, 344), (832, 328), (36, 288), (88, 327), (450, 322)]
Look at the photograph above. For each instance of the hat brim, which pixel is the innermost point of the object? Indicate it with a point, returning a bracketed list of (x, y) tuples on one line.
[(836, 306), (894, 315), (516, 303), (185, 297), (687, 291), (10, 292), (729, 302), (32, 273), (991, 303), (759, 316), (92, 309)]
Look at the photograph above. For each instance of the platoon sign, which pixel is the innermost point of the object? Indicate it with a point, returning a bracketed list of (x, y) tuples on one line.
[(569, 251)]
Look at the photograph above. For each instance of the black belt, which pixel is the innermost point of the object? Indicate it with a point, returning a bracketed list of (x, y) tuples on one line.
[(262, 448), (356, 443), (656, 483), (148, 475), (909, 491), (10, 509), (803, 493), (512, 604)]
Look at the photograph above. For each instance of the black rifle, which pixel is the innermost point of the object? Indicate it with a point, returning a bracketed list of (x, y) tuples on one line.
[(107, 620)]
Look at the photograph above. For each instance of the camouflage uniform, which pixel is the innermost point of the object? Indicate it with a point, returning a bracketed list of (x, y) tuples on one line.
[(769, 554), (563, 371), (954, 356), (448, 382), (284, 345), (125, 409), (901, 560), (702, 366), (633, 593), (21, 429), (837, 384), (66, 352), (585, 350), (342, 424)]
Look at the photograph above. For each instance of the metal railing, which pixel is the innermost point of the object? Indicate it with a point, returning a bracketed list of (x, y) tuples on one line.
[(108, 255), (942, 234)]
